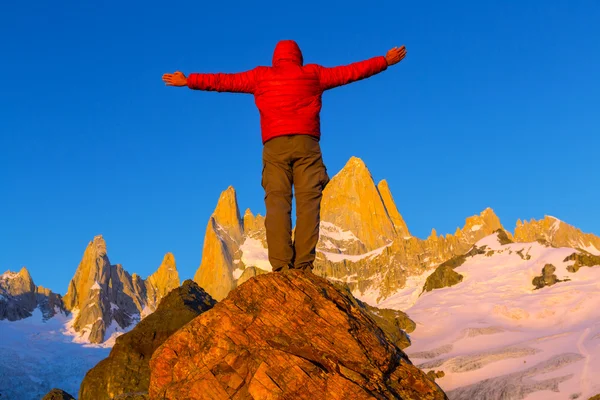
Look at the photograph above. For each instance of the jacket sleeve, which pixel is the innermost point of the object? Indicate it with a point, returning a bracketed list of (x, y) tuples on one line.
[(243, 82), (338, 76)]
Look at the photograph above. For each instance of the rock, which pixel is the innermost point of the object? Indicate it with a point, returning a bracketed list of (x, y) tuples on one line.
[(433, 375), (395, 323), (287, 335), (58, 394), (548, 278), (126, 371), (445, 276), (582, 259), (503, 237)]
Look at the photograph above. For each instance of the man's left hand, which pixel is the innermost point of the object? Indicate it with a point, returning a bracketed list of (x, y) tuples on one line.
[(395, 55)]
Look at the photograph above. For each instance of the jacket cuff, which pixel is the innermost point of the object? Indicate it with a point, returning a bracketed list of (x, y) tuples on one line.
[(384, 63), (191, 81)]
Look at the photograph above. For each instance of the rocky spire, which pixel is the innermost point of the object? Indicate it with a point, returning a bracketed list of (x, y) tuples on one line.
[(94, 267), (248, 220), (227, 214), (101, 294), (480, 226), (397, 220), (223, 238), (160, 283)]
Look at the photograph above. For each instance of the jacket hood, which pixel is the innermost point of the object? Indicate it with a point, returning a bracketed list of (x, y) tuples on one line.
[(287, 51)]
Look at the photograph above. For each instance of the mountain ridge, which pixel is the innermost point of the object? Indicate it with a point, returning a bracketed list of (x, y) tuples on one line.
[(364, 242), (374, 260)]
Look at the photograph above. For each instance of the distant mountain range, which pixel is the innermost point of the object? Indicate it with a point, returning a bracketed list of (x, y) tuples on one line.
[(364, 243)]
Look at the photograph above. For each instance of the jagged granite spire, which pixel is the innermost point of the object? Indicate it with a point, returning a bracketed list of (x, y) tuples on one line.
[(160, 283), (397, 220), (103, 296), (224, 234)]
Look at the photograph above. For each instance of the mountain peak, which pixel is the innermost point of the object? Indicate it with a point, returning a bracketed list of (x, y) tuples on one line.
[(167, 269), (486, 220), (355, 167), (24, 273), (433, 235), (98, 244), (352, 202), (227, 213), (168, 261), (160, 283), (487, 212)]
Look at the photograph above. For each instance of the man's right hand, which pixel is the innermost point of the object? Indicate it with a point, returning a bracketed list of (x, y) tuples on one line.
[(176, 79), (395, 55)]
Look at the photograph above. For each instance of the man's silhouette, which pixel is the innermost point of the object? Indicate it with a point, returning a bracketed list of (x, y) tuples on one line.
[(288, 97)]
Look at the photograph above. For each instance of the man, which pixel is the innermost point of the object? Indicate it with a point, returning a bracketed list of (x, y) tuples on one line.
[(288, 97)]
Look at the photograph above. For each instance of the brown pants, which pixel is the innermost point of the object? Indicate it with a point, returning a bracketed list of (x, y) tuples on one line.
[(293, 160)]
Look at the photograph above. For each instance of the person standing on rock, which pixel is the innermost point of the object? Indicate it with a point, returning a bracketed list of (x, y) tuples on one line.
[(288, 97)]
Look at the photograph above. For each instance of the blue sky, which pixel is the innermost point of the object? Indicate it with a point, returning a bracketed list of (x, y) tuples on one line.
[(497, 104)]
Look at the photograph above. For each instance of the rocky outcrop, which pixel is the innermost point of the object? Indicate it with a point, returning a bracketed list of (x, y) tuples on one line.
[(582, 259), (58, 394), (19, 297), (548, 277), (286, 336), (102, 295), (445, 276), (395, 323), (126, 371)]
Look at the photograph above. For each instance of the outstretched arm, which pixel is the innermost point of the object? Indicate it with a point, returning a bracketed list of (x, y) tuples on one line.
[(243, 82), (338, 76)]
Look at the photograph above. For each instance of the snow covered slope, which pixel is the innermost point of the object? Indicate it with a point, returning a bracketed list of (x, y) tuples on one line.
[(495, 337), (36, 356)]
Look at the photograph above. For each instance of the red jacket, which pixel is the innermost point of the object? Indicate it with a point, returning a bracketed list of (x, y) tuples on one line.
[(288, 94)]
